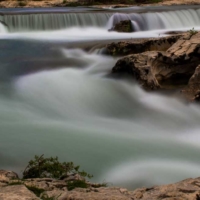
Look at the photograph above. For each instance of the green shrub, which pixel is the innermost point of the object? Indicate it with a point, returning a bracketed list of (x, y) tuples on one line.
[(41, 167), (192, 31)]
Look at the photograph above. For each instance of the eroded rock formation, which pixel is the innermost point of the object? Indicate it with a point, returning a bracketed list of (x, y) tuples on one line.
[(168, 69), (138, 46)]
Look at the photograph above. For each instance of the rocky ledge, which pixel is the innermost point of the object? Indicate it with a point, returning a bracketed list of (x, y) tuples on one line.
[(13, 188), (163, 63)]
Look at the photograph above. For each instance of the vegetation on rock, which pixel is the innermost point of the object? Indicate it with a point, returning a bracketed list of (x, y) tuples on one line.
[(41, 167)]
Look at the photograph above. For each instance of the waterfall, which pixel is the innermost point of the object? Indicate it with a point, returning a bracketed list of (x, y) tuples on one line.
[(3, 28), (53, 21), (159, 20), (140, 21)]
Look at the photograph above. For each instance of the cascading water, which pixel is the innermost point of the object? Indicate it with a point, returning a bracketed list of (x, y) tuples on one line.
[(140, 21), (159, 20), (61, 102), (54, 21), (3, 28)]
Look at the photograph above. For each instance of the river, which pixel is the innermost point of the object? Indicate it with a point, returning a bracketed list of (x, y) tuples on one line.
[(57, 97)]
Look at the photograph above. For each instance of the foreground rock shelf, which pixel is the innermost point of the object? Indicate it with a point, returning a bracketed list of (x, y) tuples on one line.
[(13, 188), (162, 63)]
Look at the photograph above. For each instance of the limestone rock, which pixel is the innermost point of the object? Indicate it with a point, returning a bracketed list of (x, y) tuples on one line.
[(138, 46), (6, 176), (47, 184), (16, 192), (94, 194), (188, 189), (170, 69)]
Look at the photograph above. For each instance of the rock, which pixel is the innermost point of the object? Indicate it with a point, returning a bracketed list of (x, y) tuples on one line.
[(192, 90), (16, 192), (100, 194), (138, 46), (73, 177), (188, 189), (123, 26), (6, 176), (139, 66), (159, 69), (46, 184)]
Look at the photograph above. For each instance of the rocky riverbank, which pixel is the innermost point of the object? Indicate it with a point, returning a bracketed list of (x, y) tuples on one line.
[(13, 188)]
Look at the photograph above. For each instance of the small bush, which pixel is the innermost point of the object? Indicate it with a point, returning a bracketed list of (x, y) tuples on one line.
[(41, 167), (192, 31)]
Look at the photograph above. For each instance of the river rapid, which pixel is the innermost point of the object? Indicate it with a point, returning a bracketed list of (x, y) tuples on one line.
[(57, 97)]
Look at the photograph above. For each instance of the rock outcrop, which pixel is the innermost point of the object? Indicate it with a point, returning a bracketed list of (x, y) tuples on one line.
[(138, 46), (123, 26), (192, 90), (47, 188), (16, 192), (166, 69)]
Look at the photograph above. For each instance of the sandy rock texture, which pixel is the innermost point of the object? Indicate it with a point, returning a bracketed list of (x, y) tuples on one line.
[(188, 189), (16, 192)]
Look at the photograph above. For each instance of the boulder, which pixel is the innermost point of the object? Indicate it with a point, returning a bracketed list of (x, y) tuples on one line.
[(141, 45), (138, 65), (159, 69), (16, 192), (6, 177), (123, 26)]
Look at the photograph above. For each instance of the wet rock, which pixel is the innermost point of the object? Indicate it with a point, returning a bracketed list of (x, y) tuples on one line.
[(192, 90), (16, 192), (123, 26), (159, 69), (139, 66), (138, 46)]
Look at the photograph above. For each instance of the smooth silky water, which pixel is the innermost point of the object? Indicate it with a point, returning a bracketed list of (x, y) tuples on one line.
[(62, 101)]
